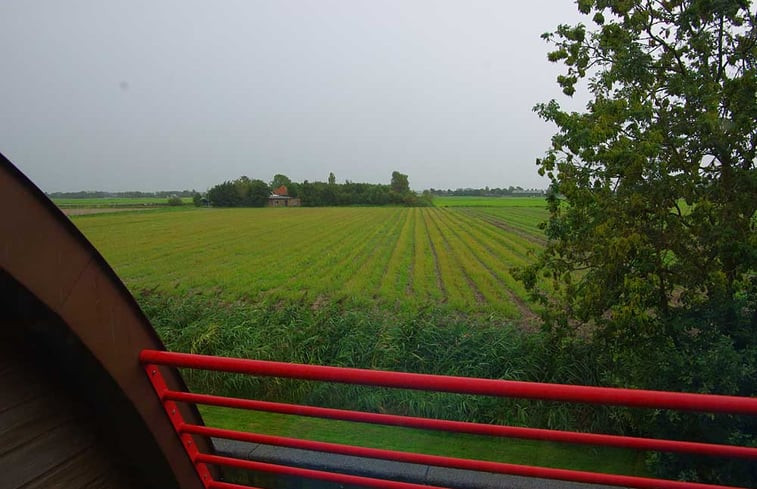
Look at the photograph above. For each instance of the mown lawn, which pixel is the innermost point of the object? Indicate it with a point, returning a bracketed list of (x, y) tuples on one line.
[(506, 450)]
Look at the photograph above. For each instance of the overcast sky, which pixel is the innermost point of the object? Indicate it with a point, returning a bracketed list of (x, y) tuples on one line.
[(185, 94)]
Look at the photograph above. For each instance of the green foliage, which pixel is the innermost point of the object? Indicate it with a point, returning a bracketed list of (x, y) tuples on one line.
[(279, 180), (244, 192), (241, 192), (320, 194), (293, 189), (652, 225), (197, 199), (400, 183), (175, 200), (433, 340)]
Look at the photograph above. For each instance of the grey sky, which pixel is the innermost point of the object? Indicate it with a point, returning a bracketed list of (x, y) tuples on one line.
[(185, 94)]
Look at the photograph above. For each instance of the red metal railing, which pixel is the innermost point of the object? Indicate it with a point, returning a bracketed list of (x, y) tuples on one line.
[(501, 388)]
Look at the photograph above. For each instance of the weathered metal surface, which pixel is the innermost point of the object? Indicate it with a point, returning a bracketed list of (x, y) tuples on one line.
[(42, 250)]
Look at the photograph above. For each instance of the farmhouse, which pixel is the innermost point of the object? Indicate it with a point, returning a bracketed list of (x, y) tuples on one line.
[(280, 198)]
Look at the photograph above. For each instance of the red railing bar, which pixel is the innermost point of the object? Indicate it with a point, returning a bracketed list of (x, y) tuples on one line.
[(422, 459), (520, 470), (314, 474), (461, 385), (228, 485), (471, 428)]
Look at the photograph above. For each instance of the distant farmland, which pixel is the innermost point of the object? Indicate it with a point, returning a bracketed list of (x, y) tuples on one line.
[(115, 202), (406, 289), (475, 201), (395, 257)]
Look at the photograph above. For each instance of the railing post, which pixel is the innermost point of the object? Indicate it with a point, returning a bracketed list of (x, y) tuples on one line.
[(177, 420)]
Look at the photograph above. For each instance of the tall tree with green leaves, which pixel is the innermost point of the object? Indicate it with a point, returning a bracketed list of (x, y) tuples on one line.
[(279, 180), (400, 183), (652, 242), (654, 188)]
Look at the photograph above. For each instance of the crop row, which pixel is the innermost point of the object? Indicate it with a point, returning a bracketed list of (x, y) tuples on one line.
[(388, 257)]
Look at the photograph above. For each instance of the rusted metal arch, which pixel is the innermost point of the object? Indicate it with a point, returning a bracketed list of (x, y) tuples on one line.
[(46, 255)]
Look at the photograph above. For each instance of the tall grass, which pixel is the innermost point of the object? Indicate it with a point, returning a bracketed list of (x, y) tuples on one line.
[(433, 340)]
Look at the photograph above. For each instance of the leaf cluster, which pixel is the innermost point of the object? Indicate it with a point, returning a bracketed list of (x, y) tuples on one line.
[(652, 235), (242, 192), (654, 188)]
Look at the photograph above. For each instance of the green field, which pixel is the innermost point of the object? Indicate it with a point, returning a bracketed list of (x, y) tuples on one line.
[(527, 452), (535, 202), (407, 289), (116, 202), (395, 257)]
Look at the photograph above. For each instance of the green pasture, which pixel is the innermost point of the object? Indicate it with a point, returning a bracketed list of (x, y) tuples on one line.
[(476, 447), (458, 258), (409, 289), (116, 202), (536, 202)]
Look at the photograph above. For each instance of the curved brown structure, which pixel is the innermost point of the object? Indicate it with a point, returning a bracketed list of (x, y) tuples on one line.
[(76, 408)]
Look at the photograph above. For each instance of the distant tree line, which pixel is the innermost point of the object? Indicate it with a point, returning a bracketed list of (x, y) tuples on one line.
[(246, 192), (489, 192), (96, 194)]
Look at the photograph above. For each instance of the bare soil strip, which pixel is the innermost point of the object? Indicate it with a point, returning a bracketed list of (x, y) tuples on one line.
[(480, 299), (438, 269), (509, 228), (527, 315)]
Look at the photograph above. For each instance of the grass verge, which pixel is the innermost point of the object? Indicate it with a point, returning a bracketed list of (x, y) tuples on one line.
[(495, 449)]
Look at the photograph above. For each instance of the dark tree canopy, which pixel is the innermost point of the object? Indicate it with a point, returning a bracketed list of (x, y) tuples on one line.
[(400, 183), (293, 188), (279, 180), (242, 192), (652, 244), (654, 186)]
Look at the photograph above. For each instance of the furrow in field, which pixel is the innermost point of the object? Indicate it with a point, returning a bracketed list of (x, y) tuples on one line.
[(507, 227), (264, 258), (318, 262), (241, 242), (490, 290), (463, 292), (401, 256), (524, 219), (413, 251), (286, 257), (370, 247), (509, 248), (395, 277), (424, 284), (437, 267), (366, 279), (355, 251), (528, 218), (513, 291)]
